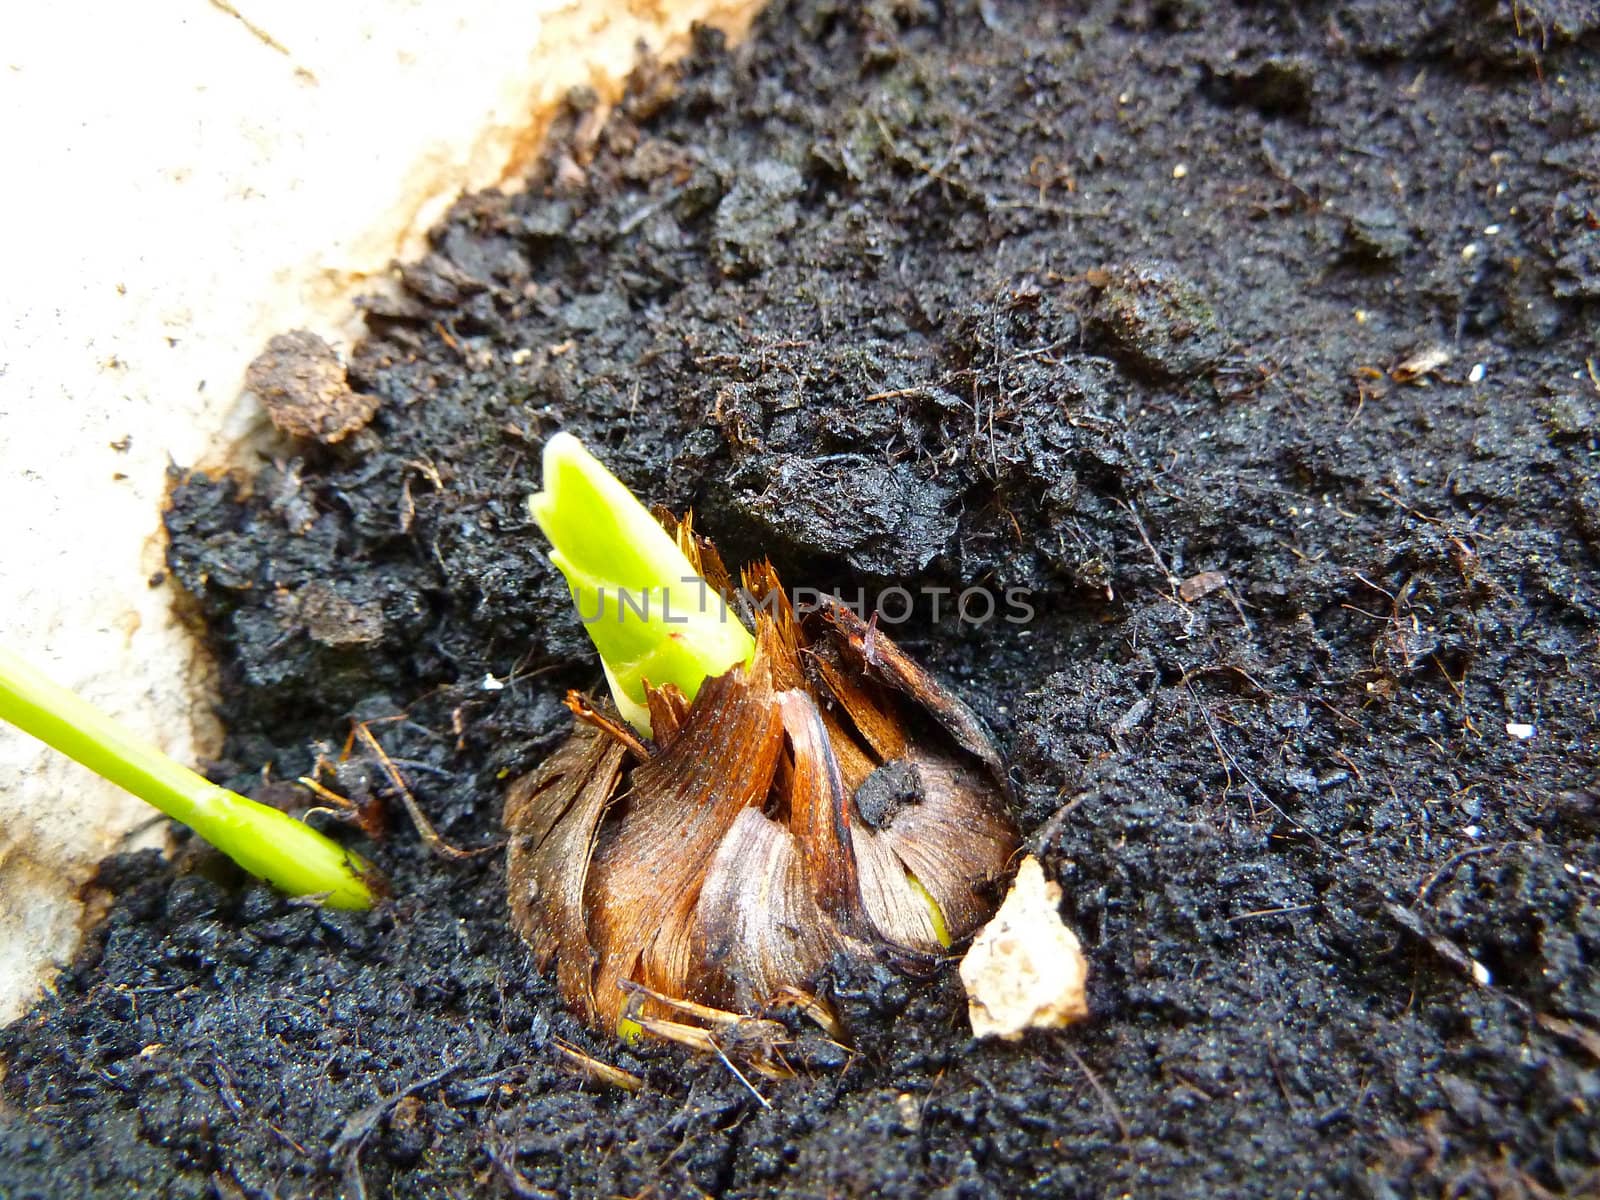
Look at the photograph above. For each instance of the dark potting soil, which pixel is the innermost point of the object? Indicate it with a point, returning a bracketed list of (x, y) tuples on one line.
[(1132, 305)]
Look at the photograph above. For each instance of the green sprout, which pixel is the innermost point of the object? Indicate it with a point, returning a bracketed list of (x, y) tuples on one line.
[(650, 614), (265, 842)]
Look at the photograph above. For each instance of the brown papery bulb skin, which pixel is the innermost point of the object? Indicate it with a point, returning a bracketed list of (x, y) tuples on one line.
[(830, 797)]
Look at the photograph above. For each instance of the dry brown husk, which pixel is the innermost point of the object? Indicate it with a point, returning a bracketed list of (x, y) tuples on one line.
[(803, 806)]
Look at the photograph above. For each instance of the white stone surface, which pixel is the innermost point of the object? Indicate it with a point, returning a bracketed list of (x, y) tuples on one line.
[(184, 180), (1026, 969)]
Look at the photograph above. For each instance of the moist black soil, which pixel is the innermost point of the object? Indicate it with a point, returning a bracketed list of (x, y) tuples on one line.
[(1255, 341)]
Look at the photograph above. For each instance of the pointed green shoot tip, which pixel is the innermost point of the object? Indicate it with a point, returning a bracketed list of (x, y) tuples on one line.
[(648, 612), (267, 843)]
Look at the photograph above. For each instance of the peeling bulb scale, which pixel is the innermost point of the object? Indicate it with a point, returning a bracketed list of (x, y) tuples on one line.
[(702, 852)]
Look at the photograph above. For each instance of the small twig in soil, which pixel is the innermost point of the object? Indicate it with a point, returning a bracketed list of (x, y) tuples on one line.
[(1271, 912), (1572, 1031), (1450, 865), (1193, 1085), (424, 827), (288, 1141), (595, 1070), (1173, 582), (1105, 1096), (1048, 831), (740, 1075), (1461, 695), (504, 1157), (896, 394), (359, 1125), (1453, 954), (1229, 669), (1277, 1073), (1231, 764)]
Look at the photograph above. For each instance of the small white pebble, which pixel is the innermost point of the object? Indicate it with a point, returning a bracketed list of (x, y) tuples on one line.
[(491, 684), (910, 1112), (1476, 374), (1491, 230), (1472, 831), (1480, 973), (1180, 171), (1361, 316), (1026, 969), (1517, 729), (521, 355), (1470, 251)]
